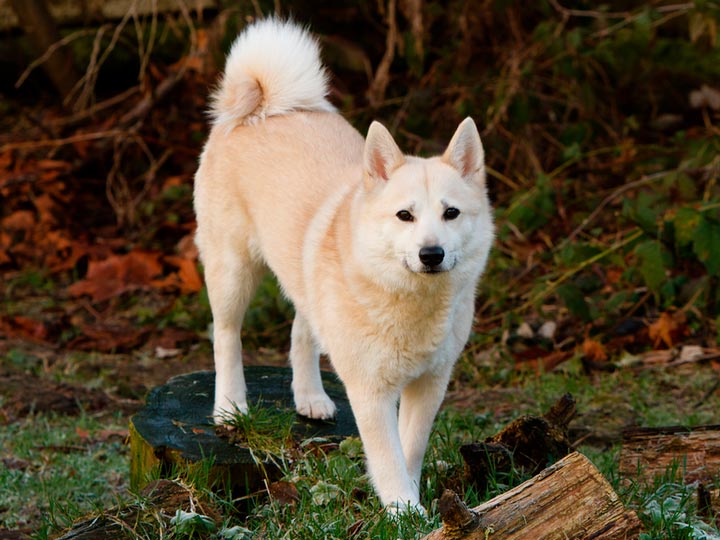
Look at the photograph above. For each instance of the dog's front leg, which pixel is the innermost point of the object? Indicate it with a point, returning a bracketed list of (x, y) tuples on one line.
[(375, 413), (419, 403)]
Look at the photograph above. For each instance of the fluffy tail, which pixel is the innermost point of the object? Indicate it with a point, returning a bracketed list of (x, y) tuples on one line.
[(273, 68)]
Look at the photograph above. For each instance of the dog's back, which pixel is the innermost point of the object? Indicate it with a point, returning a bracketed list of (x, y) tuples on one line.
[(276, 141)]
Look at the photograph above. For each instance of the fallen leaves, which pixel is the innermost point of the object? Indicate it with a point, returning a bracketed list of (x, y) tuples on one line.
[(668, 329), (21, 327), (594, 351), (27, 394), (632, 343), (118, 274), (136, 270)]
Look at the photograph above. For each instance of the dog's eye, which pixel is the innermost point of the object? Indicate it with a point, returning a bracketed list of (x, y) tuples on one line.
[(404, 215), (451, 213)]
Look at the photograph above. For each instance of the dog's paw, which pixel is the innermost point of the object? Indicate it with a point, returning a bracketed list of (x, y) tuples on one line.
[(223, 412), (317, 406)]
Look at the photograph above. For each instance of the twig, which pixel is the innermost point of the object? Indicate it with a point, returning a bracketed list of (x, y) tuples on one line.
[(709, 393), (672, 10), (552, 285), (96, 108), (141, 109), (376, 92), (504, 179), (588, 13), (145, 51), (48, 53), (86, 84), (145, 105), (63, 141), (610, 198)]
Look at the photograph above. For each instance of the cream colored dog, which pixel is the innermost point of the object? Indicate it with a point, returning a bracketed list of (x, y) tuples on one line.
[(379, 252)]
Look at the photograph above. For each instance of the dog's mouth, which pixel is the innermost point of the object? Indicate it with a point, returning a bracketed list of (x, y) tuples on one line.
[(431, 270)]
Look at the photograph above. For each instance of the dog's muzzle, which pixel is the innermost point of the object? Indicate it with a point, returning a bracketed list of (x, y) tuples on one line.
[(431, 257)]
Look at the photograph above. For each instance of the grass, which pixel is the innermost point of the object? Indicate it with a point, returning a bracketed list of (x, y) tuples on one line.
[(64, 466), (58, 468)]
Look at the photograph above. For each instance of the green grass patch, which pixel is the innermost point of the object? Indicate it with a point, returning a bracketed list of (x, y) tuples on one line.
[(65, 469), (59, 468)]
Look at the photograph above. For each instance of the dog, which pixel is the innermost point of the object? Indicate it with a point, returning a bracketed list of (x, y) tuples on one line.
[(379, 252)]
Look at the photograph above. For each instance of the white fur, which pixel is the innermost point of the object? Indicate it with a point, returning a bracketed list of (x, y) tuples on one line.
[(303, 194), (279, 63)]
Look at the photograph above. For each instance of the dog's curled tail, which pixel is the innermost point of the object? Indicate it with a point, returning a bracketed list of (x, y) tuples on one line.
[(273, 68)]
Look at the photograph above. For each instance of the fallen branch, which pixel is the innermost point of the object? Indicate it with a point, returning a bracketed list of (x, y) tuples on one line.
[(568, 500), (651, 452)]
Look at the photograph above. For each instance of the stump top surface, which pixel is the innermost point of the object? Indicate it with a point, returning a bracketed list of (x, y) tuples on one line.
[(178, 414)]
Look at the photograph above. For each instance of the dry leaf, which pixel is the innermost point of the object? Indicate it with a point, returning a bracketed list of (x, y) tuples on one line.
[(284, 493), (118, 274), (19, 327), (594, 351), (21, 220), (108, 337), (188, 274), (667, 329)]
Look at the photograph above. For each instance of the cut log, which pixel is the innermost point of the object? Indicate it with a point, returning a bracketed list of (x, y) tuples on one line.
[(694, 453), (528, 444), (569, 500), (175, 428)]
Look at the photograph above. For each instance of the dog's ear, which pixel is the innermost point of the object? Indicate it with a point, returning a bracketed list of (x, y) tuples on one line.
[(382, 155), (465, 152)]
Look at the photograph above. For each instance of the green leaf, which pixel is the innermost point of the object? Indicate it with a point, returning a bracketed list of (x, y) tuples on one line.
[(191, 522), (324, 493), (533, 209), (652, 266), (643, 211), (706, 245), (574, 300), (686, 222)]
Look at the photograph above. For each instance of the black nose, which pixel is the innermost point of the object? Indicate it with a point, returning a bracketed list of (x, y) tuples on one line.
[(432, 256)]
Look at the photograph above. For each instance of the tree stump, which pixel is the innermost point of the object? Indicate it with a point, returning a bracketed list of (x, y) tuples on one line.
[(175, 428), (650, 452), (569, 500), (528, 444)]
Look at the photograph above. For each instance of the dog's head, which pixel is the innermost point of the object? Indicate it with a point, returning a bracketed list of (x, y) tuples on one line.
[(424, 218)]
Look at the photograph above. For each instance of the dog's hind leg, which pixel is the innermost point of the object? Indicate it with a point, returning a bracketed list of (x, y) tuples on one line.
[(232, 276), (310, 397)]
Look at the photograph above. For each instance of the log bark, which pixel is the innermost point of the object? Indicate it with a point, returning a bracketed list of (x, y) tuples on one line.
[(651, 452), (569, 500)]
